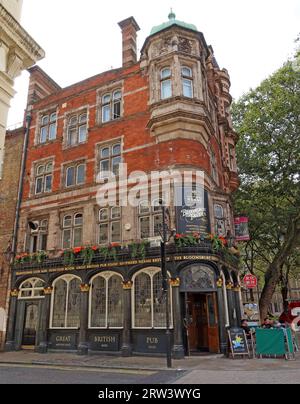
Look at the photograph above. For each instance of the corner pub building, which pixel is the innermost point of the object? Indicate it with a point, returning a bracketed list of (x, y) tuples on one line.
[(170, 109)]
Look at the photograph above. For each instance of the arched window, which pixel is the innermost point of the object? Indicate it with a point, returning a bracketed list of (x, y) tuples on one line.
[(32, 289), (187, 82), (106, 301), (65, 305), (112, 106), (43, 178), (48, 127), (148, 300), (166, 83)]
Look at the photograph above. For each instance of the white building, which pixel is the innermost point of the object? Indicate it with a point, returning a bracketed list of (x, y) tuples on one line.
[(18, 51)]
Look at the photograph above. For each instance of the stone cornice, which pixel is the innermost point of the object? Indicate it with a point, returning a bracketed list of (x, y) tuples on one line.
[(20, 36)]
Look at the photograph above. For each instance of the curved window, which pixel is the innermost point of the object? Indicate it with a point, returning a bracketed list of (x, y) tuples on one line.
[(48, 127), (149, 305), (111, 106), (166, 83), (187, 82), (106, 301), (32, 289), (43, 178), (75, 175), (65, 305), (77, 129)]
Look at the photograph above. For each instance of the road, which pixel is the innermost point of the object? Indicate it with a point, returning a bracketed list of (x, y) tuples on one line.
[(38, 374)]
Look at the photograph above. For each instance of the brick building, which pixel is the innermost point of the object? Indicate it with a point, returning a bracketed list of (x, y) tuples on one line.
[(167, 110), (8, 197)]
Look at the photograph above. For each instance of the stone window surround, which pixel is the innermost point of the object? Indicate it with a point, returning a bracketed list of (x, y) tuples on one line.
[(65, 165), (35, 164), (46, 111), (110, 222), (100, 145), (105, 89), (67, 115), (72, 212)]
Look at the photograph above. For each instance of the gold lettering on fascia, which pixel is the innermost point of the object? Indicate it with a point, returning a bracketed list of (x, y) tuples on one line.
[(63, 339), (104, 339), (152, 340)]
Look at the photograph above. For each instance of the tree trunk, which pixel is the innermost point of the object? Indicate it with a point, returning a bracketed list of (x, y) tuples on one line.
[(272, 275)]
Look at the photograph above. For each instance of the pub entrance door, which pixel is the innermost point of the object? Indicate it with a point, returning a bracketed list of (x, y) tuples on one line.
[(30, 325), (202, 330)]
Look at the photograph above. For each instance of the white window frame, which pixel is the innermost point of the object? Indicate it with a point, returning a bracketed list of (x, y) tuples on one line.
[(110, 158), (75, 167), (71, 228), (108, 102), (48, 121), (33, 281), (105, 275), (110, 221), (75, 122), (46, 173), (152, 212), (150, 271), (68, 279), (187, 78), (166, 80)]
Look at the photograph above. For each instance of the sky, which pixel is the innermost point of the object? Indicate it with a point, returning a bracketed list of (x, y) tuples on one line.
[(251, 39)]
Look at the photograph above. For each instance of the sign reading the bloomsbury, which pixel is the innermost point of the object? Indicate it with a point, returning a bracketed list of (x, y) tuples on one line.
[(192, 214)]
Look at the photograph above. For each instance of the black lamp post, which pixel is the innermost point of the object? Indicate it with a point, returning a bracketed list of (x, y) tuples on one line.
[(165, 284)]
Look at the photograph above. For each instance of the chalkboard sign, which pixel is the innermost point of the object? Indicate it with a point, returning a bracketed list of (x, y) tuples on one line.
[(238, 342)]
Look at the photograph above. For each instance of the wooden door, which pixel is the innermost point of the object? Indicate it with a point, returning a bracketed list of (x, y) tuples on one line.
[(30, 325), (213, 327)]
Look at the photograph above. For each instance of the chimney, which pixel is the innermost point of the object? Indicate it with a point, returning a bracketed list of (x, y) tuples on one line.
[(129, 29)]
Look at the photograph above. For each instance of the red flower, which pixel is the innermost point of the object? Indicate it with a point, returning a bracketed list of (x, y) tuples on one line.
[(223, 240), (95, 248), (179, 236), (77, 250), (114, 245)]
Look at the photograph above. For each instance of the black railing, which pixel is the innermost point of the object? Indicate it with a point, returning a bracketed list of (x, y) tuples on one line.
[(124, 255)]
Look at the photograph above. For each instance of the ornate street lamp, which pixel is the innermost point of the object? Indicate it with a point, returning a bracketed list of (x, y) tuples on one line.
[(166, 234)]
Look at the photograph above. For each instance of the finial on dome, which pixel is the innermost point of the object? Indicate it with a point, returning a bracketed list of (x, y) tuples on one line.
[(172, 15)]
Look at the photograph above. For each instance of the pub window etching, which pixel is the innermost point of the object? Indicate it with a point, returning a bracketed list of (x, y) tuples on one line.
[(198, 277), (149, 306), (106, 301), (65, 305)]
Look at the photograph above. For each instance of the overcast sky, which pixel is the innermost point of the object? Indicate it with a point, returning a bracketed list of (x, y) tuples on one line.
[(81, 38)]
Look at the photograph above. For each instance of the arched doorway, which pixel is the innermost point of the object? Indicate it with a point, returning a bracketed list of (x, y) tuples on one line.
[(199, 291)]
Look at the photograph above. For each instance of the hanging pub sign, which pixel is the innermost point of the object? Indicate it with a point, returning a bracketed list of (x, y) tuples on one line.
[(192, 214), (242, 228), (238, 342)]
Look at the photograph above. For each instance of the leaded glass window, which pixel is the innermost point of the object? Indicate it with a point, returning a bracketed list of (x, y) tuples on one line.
[(66, 303), (106, 300), (149, 303)]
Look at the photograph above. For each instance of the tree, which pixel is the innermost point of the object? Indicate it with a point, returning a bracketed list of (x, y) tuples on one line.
[(268, 121)]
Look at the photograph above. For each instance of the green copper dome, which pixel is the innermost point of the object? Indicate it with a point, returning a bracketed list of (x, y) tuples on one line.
[(172, 21)]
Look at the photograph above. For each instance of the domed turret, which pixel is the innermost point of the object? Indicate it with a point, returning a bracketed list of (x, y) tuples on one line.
[(172, 21)]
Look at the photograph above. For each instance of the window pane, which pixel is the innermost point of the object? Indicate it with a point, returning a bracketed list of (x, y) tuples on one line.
[(82, 133), (117, 95), (106, 99), (157, 224), (67, 221), (48, 183), (145, 227), (116, 232), (142, 301), (78, 220), (117, 109), (116, 150), (83, 118), (72, 137), (103, 233), (187, 88), (159, 304), (115, 302), (115, 213), (116, 161), (106, 113), (103, 214), (98, 312), (59, 304), (44, 134), (70, 176), (43, 225), (40, 170), (45, 120), (49, 167), (81, 174), (219, 214), (43, 246), (220, 227), (53, 117), (104, 168), (166, 89), (73, 121), (67, 239), (77, 237), (73, 308), (39, 185), (144, 207), (165, 73), (186, 71), (52, 131), (105, 152)]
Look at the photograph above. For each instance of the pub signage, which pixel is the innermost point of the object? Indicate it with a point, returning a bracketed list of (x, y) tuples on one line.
[(238, 342), (104, 342), (63, 341), (150, 343)]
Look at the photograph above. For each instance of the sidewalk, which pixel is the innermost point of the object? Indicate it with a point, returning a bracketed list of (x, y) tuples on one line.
[(210, 362)]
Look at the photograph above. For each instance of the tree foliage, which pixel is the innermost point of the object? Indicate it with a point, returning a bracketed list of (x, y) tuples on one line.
[(268, 122)]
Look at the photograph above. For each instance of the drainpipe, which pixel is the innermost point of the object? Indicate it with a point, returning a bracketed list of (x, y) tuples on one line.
[(21, 185)]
